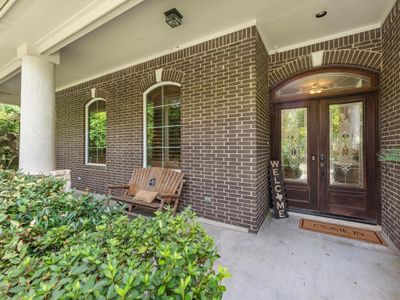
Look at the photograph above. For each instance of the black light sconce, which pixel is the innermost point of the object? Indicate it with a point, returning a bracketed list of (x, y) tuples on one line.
[(321, 14), (173, 17)]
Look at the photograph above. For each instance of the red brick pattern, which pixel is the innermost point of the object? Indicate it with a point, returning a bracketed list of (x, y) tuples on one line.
[(166, 75), (390, 124), (362, 49), (222, 143), (226, 119), (70, 139), (262, 130)]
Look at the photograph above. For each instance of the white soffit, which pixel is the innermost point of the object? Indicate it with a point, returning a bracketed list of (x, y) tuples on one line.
[(295, 25), (140, 33), (30, 22), (10, 90), (5, 6)]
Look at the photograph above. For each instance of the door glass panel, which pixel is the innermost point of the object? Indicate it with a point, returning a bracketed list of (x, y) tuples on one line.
[(294, 143), (346, 144), (327, 82)]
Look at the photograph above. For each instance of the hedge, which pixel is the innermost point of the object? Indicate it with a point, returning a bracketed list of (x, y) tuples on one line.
[(9, 136), (55, 245)]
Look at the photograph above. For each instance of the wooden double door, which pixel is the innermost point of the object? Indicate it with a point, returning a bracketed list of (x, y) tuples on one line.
[(327, 147)]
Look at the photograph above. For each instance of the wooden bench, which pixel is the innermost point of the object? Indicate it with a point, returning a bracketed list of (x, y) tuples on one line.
[(168, 183)]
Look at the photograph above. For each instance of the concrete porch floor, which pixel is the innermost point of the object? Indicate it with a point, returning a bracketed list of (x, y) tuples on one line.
[(285, 262)]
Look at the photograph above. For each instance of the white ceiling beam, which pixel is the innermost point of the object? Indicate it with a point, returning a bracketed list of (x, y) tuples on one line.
[(387, 12), (83, 22), (9, 70), (5, 6), (326, 38), (28, 48), (6, 98)]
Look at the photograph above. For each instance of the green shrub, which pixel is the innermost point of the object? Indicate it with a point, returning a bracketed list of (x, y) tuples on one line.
[(9, 136), (54, 245)]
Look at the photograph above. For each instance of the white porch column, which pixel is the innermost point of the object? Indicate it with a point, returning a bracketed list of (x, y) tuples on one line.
[(37, 136)]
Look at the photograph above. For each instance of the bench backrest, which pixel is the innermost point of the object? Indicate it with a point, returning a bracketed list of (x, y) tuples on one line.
[(164, 181)]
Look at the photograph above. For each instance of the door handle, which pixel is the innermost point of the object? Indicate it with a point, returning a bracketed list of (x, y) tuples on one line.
[(322, 164)]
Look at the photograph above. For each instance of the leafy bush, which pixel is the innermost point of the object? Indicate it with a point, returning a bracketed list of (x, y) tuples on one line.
[(54, 245), (9, 136)]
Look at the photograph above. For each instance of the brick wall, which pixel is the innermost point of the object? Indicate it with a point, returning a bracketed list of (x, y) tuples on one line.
[(262, 130), (390, 123), (224, 126), (362, 49), (225, 118), (70, 136)]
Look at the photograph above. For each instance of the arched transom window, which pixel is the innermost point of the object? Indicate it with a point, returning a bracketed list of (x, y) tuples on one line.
[(325, 81), (162, 126), (96, 126)]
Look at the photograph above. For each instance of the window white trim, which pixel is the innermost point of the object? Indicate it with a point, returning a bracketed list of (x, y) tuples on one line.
[(146, 92), (87, 131)]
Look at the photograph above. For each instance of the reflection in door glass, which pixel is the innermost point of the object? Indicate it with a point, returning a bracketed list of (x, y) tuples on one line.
[(294, 143), (346, 144)]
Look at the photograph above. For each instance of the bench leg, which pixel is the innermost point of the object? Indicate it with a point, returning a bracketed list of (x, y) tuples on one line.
[(161, 207), (175, 207)]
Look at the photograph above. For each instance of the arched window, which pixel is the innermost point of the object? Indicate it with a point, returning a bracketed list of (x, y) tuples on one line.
[(95, 135), (162, 126), (331, 80)]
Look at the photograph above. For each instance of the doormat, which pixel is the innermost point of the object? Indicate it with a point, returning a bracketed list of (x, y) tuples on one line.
[(364, 235)]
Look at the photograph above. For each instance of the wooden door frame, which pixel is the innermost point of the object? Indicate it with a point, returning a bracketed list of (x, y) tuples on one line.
[(372, 91), (369, 136), (311, 144)]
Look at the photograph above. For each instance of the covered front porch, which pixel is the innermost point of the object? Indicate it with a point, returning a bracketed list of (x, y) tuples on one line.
[(285, 262), (211, 91), (107, 88)]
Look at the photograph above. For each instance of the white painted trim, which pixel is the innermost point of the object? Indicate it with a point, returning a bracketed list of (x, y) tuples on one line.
[(387, 12), (6, 7), (327, 38), (83, 22), (6, 98), (96, 165), (264, 39), (160, 54), (317, 58), (30, 49), (27, 48), (159, 75), (145, 93), (10, 70), (87, 163)]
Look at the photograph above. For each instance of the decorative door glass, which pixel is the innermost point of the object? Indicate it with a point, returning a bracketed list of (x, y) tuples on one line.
[(294, 143), (323, 83), (346, 144)]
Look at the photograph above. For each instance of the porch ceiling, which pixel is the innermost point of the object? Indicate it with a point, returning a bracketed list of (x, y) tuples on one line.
[(140, 32)]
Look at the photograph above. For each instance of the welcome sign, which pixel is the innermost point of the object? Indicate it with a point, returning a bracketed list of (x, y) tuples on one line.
[(278, 189)]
